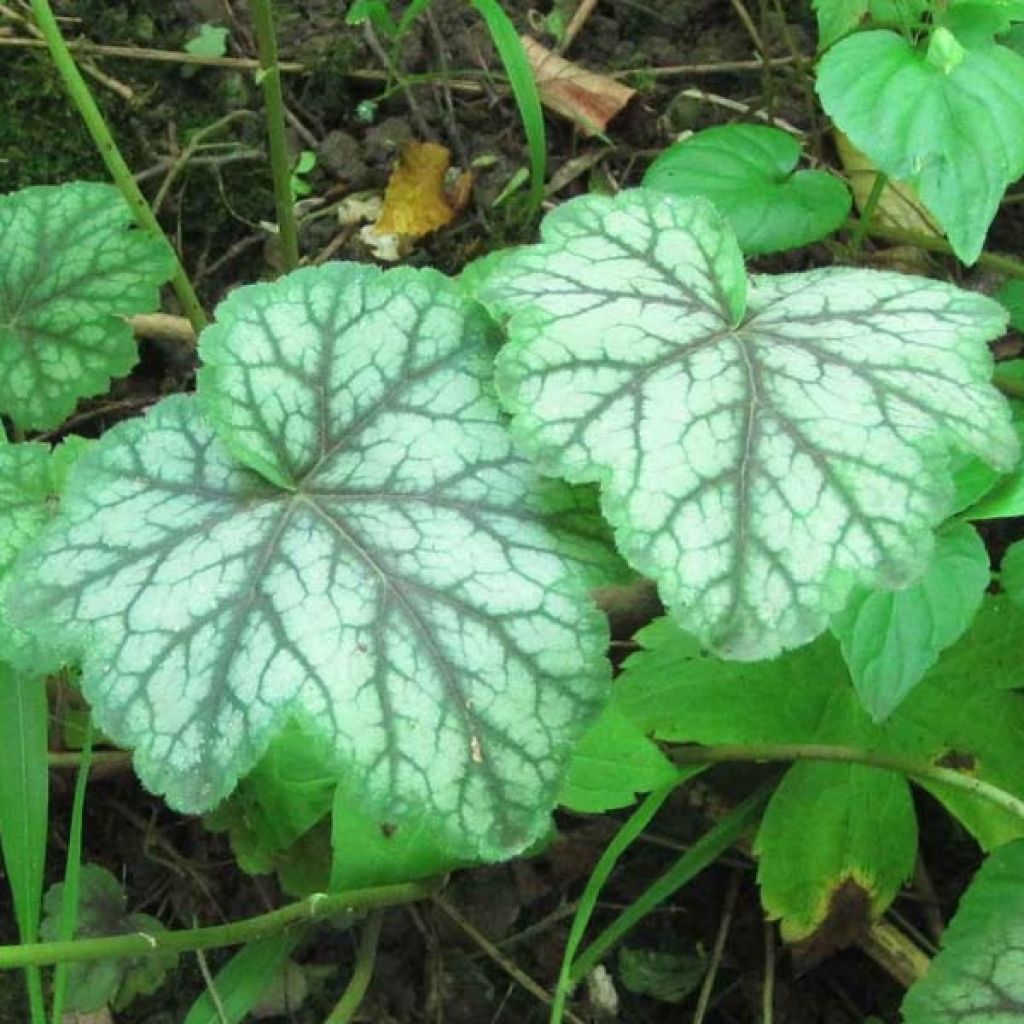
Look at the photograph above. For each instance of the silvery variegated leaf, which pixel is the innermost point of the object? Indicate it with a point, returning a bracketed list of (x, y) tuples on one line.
[(338, 530), (761, 444), (71, 270)]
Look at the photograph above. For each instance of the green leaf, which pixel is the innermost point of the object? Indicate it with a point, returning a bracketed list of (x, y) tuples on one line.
[(819, 839), (368, 851), (838, 17), (95, 984), (611, 764), (667, 977), (209, 41), (749, 172), (1011, 573), (760, 445), (338, 531), (978, 976), (952, 131), (241, 983), (70, 271), (1011, 295), (891, 638), (31, 480), (976, 22), (24, 793), (833, 861)]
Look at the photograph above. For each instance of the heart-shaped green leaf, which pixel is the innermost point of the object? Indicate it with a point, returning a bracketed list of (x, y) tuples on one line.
[(949, 124), (760, 445), (338, 531), (70, 271), (749, 172)]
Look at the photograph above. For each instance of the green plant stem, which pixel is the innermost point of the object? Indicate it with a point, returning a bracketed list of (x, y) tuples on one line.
[(932, 243), (312, 908), (1008, 385), (920, 771), (868, 215), (91, 114), (72, 874), (366, 955), (273, 98)]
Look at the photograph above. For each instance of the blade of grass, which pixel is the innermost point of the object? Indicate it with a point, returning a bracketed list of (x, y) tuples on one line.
[(524, 89), (72, 873), (634, 825), (703, 853), (24, 795), (243, 980)]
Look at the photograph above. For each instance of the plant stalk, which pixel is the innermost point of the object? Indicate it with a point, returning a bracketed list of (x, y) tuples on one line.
[(312, 908), (91, 114), (355, 992), (273, 98), (920, 771)]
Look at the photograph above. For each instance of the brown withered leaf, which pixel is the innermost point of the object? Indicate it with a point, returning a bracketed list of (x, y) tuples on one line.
[(588, 99)]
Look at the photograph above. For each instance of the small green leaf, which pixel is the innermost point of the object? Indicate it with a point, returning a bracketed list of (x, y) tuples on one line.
[(339, 533), (836, 18), (1011, 295), (976, 22), (209, 41), (749, 172), (667, 977), (70, 271), (953, 132), (891, 638), (760, 445), (978, 976), (611, 764), (102, 911), (944, 51), (1011, 573)]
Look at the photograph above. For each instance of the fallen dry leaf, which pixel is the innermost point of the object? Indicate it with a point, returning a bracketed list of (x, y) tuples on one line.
[(588, 99), (898, 206), (418, 200)]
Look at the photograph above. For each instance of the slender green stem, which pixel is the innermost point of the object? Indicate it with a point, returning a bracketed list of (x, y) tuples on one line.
[(72, 874), (932, 243), (101, 136), (280, 163), (366, 955), (920, 771), (312, 908), (868, 215)]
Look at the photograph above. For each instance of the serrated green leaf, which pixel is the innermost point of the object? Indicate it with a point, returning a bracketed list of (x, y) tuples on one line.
[(70, 271), (951, 132), (891, 638), (978, 976), (1011, 573), (667, 977), (611, 764), (823, 833), (819, 830), (977, 22), (94, 984), (375, 561), (757, 453), (31, 479), (749, 172)]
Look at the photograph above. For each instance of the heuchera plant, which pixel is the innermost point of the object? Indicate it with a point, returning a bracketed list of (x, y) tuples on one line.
[(340, 599)]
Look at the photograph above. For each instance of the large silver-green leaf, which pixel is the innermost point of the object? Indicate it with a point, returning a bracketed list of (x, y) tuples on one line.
[(70, 271), (761, 445), (338, 531), (978, 977)]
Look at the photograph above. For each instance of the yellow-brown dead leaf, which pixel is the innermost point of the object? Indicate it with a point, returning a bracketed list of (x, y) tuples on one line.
[(416, 202)]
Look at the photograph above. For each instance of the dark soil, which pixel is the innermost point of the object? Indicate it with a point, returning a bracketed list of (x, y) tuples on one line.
[(427, 970)]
